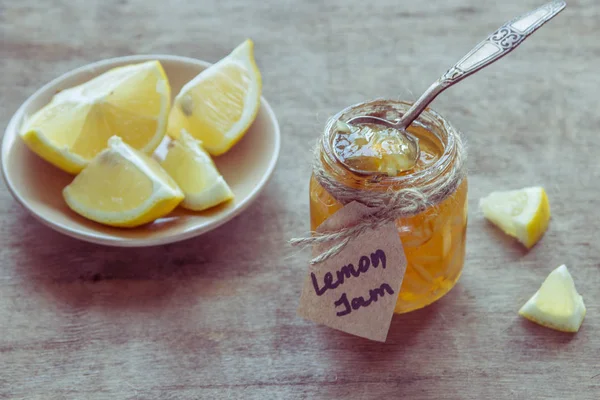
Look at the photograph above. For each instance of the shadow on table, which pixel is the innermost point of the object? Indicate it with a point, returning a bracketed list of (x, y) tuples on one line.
[(504, 241), (405, 330), (84, 274), (542, 337)]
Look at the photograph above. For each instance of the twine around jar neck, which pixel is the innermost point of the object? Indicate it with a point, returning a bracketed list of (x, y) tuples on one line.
[(417, 192)]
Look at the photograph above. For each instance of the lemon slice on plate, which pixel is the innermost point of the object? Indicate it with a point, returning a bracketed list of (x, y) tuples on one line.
[(131, 101), (220, 104), (556, 304), (523, 214), (122, 187), (195, 173)]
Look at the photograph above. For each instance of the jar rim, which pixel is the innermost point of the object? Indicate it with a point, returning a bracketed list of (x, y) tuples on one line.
[(429, 120)]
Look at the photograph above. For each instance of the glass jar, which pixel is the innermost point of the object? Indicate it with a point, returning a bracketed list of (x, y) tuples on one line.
[(433, 240)]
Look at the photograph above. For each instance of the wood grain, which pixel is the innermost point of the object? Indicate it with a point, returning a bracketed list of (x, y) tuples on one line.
[(215, 317)]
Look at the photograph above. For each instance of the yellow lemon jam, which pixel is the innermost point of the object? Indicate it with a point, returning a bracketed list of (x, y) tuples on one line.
[(433, 240)]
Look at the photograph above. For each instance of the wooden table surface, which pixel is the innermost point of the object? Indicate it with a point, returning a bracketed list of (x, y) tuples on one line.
[(214, 317)]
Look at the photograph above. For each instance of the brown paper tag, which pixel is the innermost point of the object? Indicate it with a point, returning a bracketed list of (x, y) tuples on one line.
[(356, 290)]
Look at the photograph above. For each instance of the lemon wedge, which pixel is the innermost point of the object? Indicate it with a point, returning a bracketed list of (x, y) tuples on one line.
[(219, 104), (556, 304), (523, 214), (131, 101), (122, 187), (195, 173)]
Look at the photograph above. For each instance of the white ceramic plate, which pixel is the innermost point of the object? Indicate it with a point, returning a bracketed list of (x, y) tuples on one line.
[(38, 185)]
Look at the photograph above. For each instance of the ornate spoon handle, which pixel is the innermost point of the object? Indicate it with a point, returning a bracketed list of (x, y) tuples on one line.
[(494, 47)]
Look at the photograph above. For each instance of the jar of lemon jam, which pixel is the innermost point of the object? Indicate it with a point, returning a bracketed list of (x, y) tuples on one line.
[(433, 240)]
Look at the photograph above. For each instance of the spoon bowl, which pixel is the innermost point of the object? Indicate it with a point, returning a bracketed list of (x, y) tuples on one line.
[(413, 143)]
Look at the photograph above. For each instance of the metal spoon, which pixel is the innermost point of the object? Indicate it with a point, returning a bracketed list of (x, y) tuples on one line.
[(496, 46)]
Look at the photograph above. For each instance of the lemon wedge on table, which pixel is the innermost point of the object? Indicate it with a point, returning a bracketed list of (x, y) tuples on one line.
[(523, 214), (556, 304), (131, 101), (195, 173), (122, 187), (220, 104)]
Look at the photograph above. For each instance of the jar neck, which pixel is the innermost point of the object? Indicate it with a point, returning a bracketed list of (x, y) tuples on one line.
[(429, 120)]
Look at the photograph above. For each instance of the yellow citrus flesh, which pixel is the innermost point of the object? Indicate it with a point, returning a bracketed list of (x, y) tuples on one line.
[(523, 214), (220, 104), (556, 304), (196, 174), (131, 101), (122, 187)]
